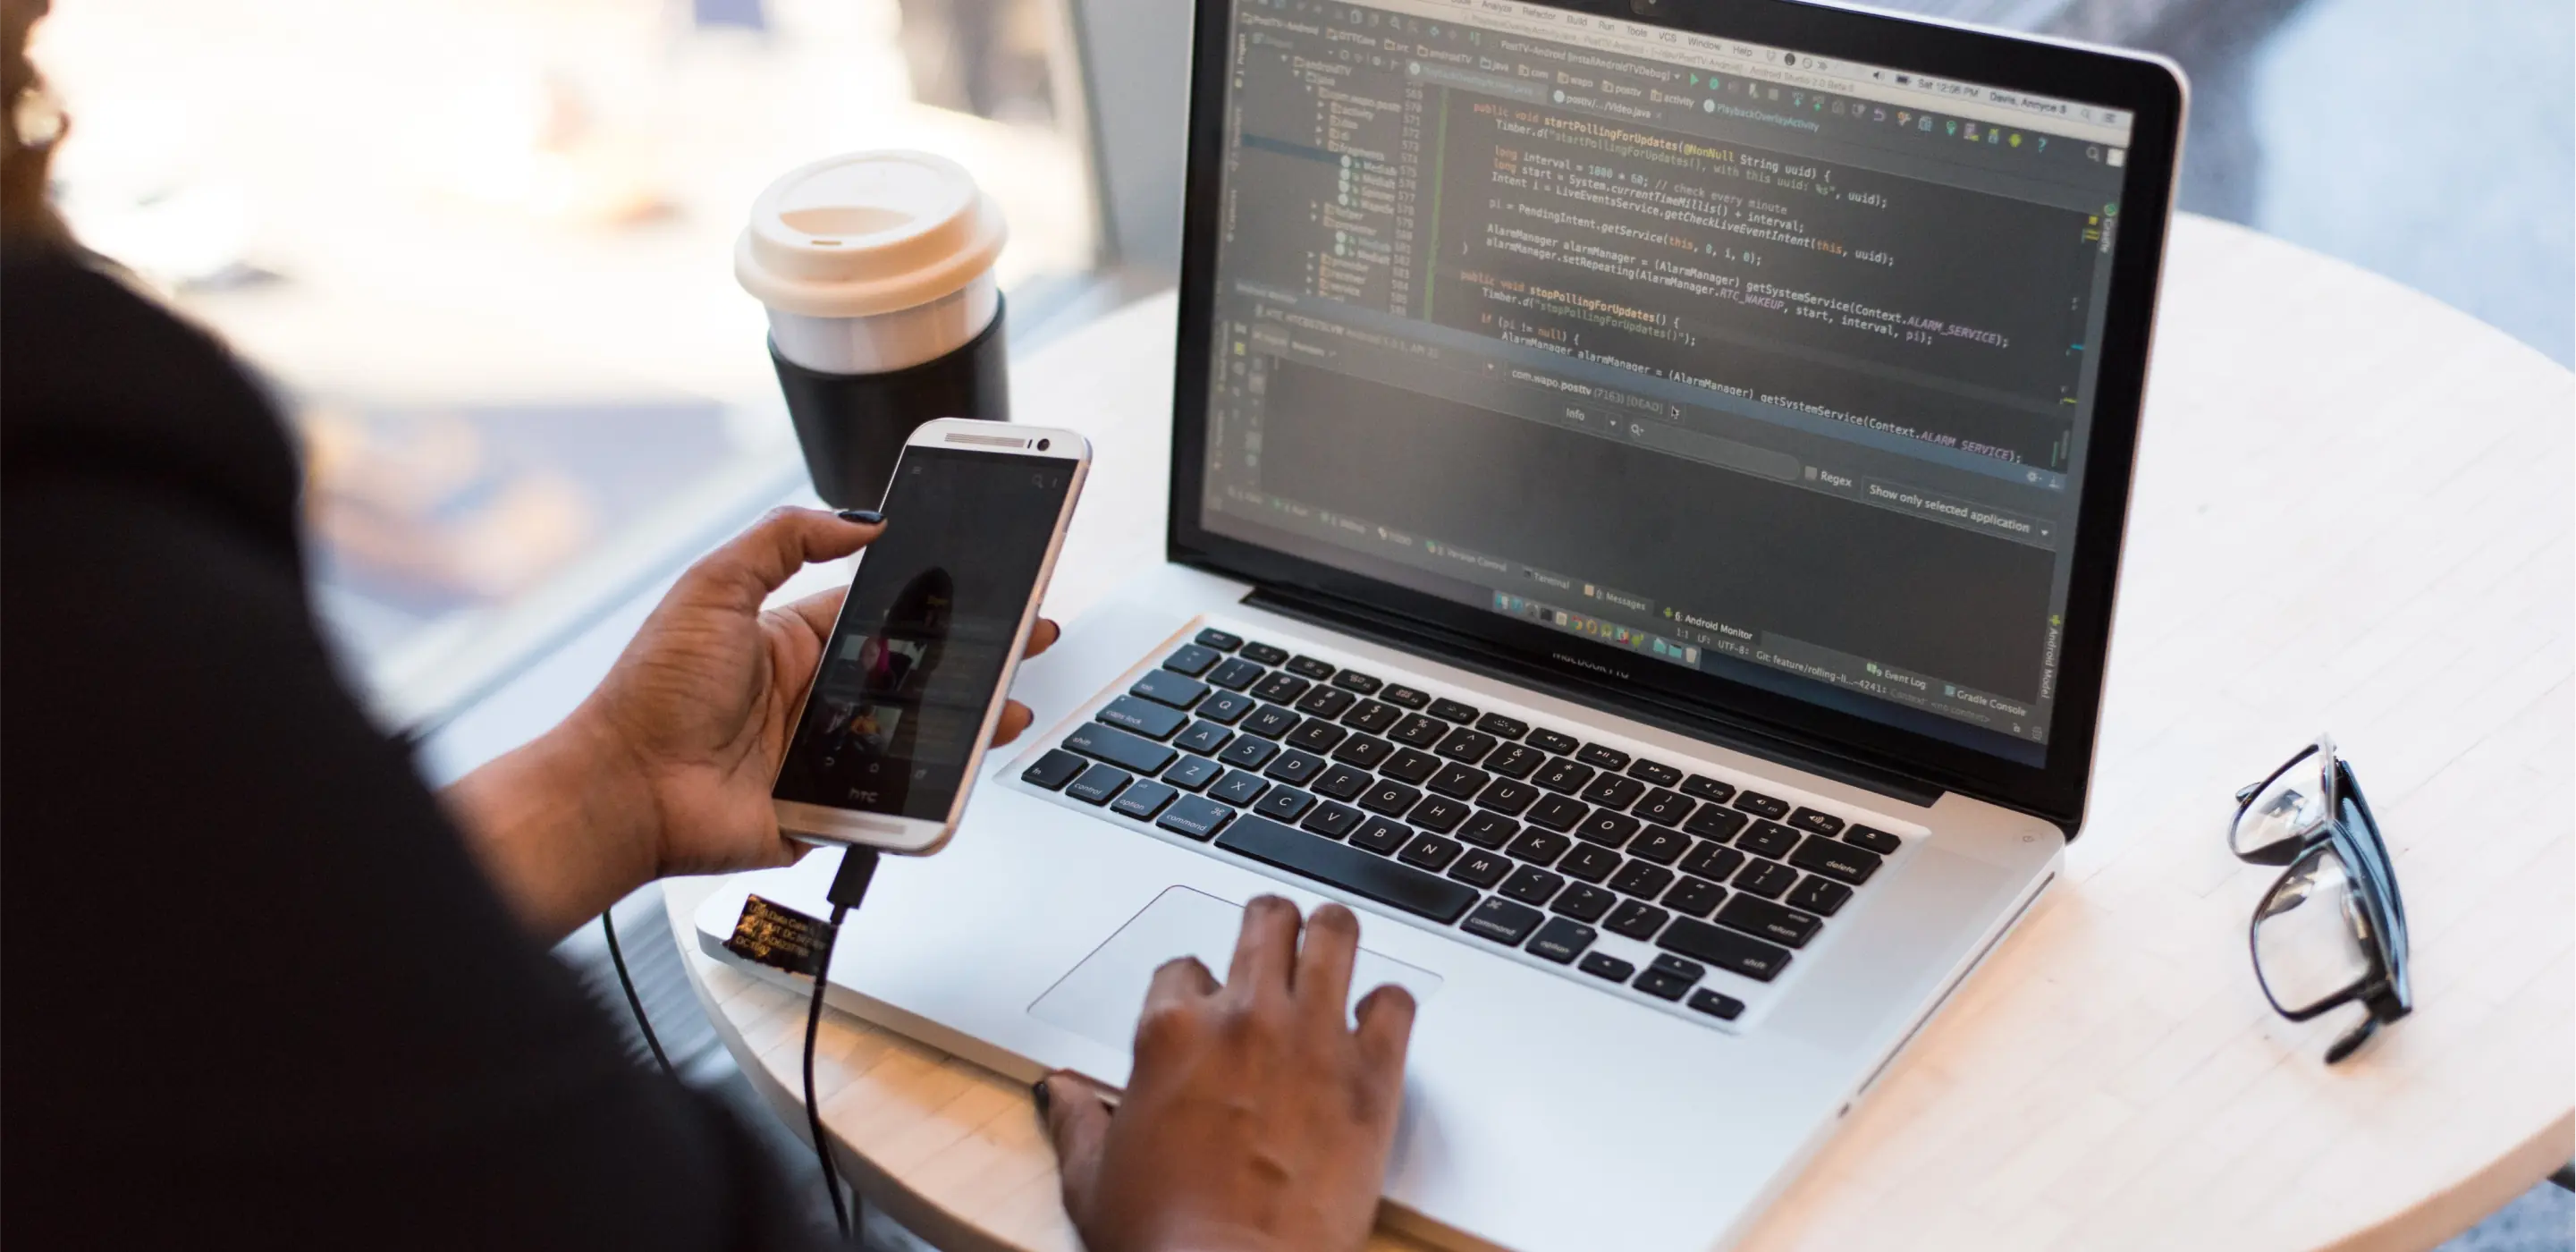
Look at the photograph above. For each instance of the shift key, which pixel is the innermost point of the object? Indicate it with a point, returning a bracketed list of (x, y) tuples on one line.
[(1126, 751)]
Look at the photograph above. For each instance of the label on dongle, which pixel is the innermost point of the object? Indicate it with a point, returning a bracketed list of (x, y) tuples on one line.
[(778, 937)]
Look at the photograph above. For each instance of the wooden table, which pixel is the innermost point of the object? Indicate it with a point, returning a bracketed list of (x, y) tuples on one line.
[(2352, 514)]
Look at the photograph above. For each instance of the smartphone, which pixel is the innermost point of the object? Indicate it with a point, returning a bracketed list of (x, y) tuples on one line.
[(916, 671)]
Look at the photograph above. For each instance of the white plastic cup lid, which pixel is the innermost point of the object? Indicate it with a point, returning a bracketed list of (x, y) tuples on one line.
[(867, 233)]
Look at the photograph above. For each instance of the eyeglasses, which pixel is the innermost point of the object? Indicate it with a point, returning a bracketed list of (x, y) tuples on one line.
[(2332, 931)]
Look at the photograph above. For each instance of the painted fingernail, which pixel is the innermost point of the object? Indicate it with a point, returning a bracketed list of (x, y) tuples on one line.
[(864, 517), (1045, 1098)]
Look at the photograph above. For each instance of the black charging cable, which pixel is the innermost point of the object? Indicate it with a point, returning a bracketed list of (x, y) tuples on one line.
[(849, 887), (635, 1002)]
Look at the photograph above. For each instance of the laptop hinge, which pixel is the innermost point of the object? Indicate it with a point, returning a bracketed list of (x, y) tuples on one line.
[(1466, 652)]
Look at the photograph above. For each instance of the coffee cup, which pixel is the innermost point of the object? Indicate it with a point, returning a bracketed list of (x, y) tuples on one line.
[(877, 272)]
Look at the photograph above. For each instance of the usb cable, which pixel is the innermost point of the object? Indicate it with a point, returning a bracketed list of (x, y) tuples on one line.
[(849, 887)]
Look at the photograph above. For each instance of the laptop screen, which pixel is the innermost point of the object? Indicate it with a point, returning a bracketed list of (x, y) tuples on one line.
[(1734, 357)]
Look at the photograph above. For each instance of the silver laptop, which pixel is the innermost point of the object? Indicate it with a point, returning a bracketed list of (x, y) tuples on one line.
[(1647, 494)]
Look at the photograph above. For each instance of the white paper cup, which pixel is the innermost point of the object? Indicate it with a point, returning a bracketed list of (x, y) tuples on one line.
[(871, 262)]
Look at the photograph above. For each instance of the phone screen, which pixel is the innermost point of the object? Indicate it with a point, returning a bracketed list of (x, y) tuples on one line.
[(911, 666)]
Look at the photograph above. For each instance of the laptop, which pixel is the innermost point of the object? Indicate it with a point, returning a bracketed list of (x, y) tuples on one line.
[(1646, 499)]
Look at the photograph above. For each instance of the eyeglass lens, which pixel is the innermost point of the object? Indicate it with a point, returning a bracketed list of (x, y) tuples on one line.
[(2311, 938), (2284, 811)]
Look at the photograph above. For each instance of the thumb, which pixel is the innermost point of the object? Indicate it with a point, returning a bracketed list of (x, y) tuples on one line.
[(756, 562), (1078, 1123)]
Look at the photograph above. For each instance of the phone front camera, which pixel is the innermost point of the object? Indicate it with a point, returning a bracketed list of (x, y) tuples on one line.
[(1045, 444)]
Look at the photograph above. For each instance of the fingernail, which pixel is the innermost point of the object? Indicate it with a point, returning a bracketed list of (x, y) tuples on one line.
[(1046, 1099), (864, 517)]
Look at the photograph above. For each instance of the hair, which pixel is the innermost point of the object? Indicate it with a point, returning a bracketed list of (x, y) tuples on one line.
[(25, 213)]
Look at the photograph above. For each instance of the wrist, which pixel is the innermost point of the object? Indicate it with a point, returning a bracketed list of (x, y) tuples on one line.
[(565, 825)]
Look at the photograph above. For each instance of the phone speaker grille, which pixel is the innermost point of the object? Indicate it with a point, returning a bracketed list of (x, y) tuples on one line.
[(994, 441)]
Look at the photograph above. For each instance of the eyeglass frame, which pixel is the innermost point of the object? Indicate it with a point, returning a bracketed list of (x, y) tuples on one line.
[(2385, 991)]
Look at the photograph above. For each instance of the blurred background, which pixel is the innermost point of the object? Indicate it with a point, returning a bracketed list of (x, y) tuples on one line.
[(481, 249)]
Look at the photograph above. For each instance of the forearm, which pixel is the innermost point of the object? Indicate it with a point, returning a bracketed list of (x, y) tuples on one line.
[(565, 826)]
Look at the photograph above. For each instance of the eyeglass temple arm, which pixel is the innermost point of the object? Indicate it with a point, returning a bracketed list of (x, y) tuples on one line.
[(2353, 1039), (2247, 792)]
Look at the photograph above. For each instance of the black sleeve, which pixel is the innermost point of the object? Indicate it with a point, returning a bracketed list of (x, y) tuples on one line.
[(254, 982)]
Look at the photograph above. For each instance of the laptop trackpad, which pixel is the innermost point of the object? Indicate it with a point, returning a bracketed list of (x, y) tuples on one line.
[(1100, 999)]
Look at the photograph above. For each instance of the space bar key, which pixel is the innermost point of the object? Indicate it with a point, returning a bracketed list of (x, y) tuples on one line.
[(1360, 873)]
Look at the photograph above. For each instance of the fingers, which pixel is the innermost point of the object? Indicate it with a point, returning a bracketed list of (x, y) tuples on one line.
[(1042, 637), (819, 610), (1077, 1122), (1177, 982), (758, 560), (1385, 1030), (1015, 718), (1266, 950), (1324, 963)]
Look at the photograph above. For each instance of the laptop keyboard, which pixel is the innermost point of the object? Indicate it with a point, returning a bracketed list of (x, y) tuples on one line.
[(1515, 834)]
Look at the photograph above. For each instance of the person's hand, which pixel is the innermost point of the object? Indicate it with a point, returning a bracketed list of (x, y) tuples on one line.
[(1256, 1119)]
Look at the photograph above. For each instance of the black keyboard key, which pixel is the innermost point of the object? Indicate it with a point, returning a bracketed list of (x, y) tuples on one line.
[(1507, 797), (1539, 847), (1724, 1008), (1144, 800), (1769, 839), (1193, 773), (1641, 879), (1694, 897), (1353, 680), (1760, 805), (1364, 751), (1192, 659), (1564, 775), (1502, 727), (1479, 868), (1154, 721), (1452, 711), (1556, 813), (1516, 760), (1284, 804), (1764, 920), (1874, 839), (1562, 940), (1280, 687), (1239, 788), (1583, 902), (1712, 822), (1264, 653), (1611, 791), (1381, 836), (1672, 808), (1247, 752), (1659, 845), (1836, 860), (1341, 782), (1270, 722), (1606, 827), (1326, 702), (1458, 782), (1712, 862), (1816, 823), (1431, 852), (1531, 885), (1767, 879), (1589, 862), (1818, 895), (1317, 735), (1099, 784), (1679, 968), (1225, 708), (1309, 667), (1404, 697), (1389, 797), (1236, 674), (1725, 949), (1365, 876), (1053, 770), (1655, 772), (1410, 766), (1332, 821), (1296, 767), (1604, 965), (1661, 984), (1502, 921), (1708, 789), (1418, 731), (1203, 737), (1468, 746), (1126, 751), (1487, 829), (1637, 919), (1600, 757), (1438, 813), (1164, 686), (1196, 817), (1372, 717), (1552, 742), (1211, 637)]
